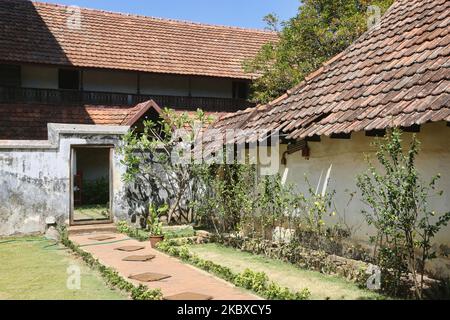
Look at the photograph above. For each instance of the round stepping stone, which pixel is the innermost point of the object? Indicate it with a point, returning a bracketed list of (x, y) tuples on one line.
[(130, 248), (139, 258), (189, 296), (149, 277), (102, 238)]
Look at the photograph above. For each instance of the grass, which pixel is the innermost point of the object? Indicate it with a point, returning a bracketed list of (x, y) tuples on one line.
[(322, 287), (32, 268), (170, 232), (92, 212)]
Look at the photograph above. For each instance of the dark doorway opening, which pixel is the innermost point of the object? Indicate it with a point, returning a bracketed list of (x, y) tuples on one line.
[(91, 185)]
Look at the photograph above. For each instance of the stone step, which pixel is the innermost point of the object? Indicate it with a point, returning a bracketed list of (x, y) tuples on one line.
[(92, 228)]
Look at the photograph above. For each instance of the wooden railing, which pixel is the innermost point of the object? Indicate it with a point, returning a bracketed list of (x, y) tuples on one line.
[(73, 97)]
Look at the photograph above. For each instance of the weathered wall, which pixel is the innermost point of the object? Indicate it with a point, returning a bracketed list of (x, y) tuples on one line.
[(347, 158), (35, 177)]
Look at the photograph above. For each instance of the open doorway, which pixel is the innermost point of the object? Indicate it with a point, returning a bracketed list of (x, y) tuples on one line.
[(91, 185)]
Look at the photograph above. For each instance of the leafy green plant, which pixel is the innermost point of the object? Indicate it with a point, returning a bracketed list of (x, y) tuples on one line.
[(257, 282), (230, 195), (148, 155), (138, 234), (399, 210), (154, 225), (320, 30)]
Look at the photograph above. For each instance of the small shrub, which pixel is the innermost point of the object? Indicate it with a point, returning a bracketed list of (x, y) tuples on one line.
[(257, 282), (400, 212)]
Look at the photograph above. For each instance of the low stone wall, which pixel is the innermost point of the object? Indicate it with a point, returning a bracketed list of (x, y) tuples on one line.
[(350, 269)]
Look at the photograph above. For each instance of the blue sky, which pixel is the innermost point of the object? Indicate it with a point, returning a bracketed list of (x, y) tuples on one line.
[(241, 13)]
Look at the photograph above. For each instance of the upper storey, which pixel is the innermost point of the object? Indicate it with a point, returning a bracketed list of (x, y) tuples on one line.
[(41, 33)]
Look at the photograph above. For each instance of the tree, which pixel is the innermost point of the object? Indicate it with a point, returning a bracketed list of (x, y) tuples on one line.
[(159, 167), (399, 210), (320, 30)]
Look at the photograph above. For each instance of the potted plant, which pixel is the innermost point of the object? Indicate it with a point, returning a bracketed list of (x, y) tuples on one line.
[(154, 225)]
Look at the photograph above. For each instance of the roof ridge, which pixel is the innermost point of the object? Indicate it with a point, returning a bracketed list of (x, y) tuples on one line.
[(161, 19)]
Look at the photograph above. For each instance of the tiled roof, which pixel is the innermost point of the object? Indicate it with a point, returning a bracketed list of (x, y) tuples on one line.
[(37, 33), (394, 75), (29, 121)]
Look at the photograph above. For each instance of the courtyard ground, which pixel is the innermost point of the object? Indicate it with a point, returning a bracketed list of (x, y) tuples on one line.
[(285, 274), (183, 278), (35, 268)]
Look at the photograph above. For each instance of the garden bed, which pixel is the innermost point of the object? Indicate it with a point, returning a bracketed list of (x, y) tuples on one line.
[(285, 274)]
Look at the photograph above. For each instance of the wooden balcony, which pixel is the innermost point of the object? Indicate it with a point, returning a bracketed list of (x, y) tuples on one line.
[(69, 97)]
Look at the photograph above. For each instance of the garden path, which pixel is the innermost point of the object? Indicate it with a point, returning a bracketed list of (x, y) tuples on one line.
[(184, 278)]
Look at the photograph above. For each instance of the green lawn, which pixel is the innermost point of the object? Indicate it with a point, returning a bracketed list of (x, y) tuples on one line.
[(91, 212), (285, 274), (31, 268)]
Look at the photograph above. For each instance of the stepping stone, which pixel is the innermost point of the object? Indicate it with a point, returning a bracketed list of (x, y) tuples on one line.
[(102, 238), (130, 248), (139, 258), (149, 277), (187, 296)]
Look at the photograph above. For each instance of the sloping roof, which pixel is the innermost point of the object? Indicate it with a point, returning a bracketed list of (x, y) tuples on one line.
[(29, 121), (394, 75), (37, 32)]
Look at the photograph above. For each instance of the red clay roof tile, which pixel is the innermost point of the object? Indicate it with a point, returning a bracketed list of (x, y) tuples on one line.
[(398, 74), (37, 32), (29, 121)]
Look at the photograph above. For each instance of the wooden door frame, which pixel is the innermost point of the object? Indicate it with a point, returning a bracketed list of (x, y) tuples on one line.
[(72, 221)]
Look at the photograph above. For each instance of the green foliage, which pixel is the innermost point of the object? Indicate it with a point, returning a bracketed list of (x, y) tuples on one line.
[(143, 235), (240, 202), (96, 191), (320, 30), (229, 195), (147, 156), (154, 226), (405, 224), (111, 276), (257, 282), (185, 232)]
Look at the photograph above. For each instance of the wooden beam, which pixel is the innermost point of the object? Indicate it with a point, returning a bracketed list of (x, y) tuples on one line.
[(376, 133), (138, 83), (314, 138), (413, 128), (296, 146), (341, 136)]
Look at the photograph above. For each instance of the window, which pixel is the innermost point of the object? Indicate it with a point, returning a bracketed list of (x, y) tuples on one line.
[(69, 79), (10, 75), (240, 90)]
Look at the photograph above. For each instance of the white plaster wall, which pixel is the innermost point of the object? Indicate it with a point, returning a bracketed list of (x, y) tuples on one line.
[(40, 77), (210, 87), (110, 81), (35, 184), (347, 158), (160, 84)]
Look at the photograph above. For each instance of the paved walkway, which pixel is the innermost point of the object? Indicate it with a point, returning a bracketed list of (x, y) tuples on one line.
[(184, 278)]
